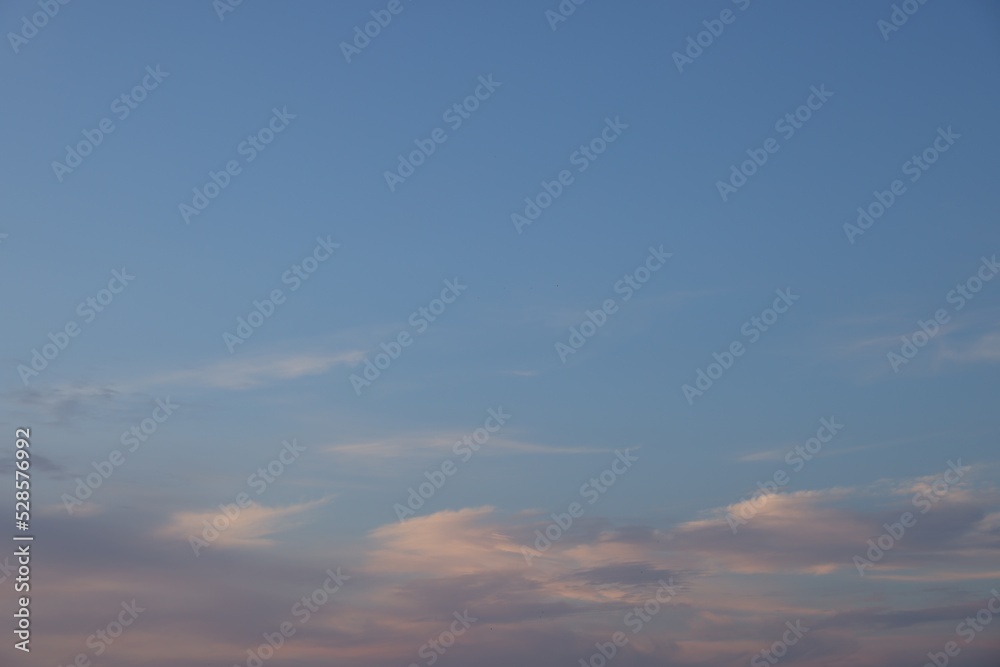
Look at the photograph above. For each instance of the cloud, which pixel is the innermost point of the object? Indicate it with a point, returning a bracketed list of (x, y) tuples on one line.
[(820, 531), (63, 403), (767, 455), (775, 455), (39, 462), (983, 349), (441, 444), (251, 372), (253, 527), (446, 543), (407, 579)]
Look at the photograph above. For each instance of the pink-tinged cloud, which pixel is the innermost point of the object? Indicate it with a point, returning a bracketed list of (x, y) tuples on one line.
[(735, 593)]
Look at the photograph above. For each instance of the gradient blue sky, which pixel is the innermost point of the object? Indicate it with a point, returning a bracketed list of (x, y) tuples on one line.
[(494, 346)]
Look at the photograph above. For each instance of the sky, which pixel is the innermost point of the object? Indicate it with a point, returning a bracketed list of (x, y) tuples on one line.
[(639, 333)]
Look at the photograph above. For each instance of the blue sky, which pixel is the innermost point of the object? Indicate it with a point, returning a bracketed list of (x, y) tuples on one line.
[(323, 176)]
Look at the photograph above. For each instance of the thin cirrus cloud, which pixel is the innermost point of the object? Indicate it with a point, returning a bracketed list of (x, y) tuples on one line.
[(65, 404), (430, 445), (983, 349), (957, 342), (254, 372), (776, 455), (64, 401)]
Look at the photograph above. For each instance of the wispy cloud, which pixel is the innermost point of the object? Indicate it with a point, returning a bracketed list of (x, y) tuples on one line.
[(251, 372), (252, 528), (39, 461), (442, 443), (766, 455), (776, 455), (983, 349), (62, 403)]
